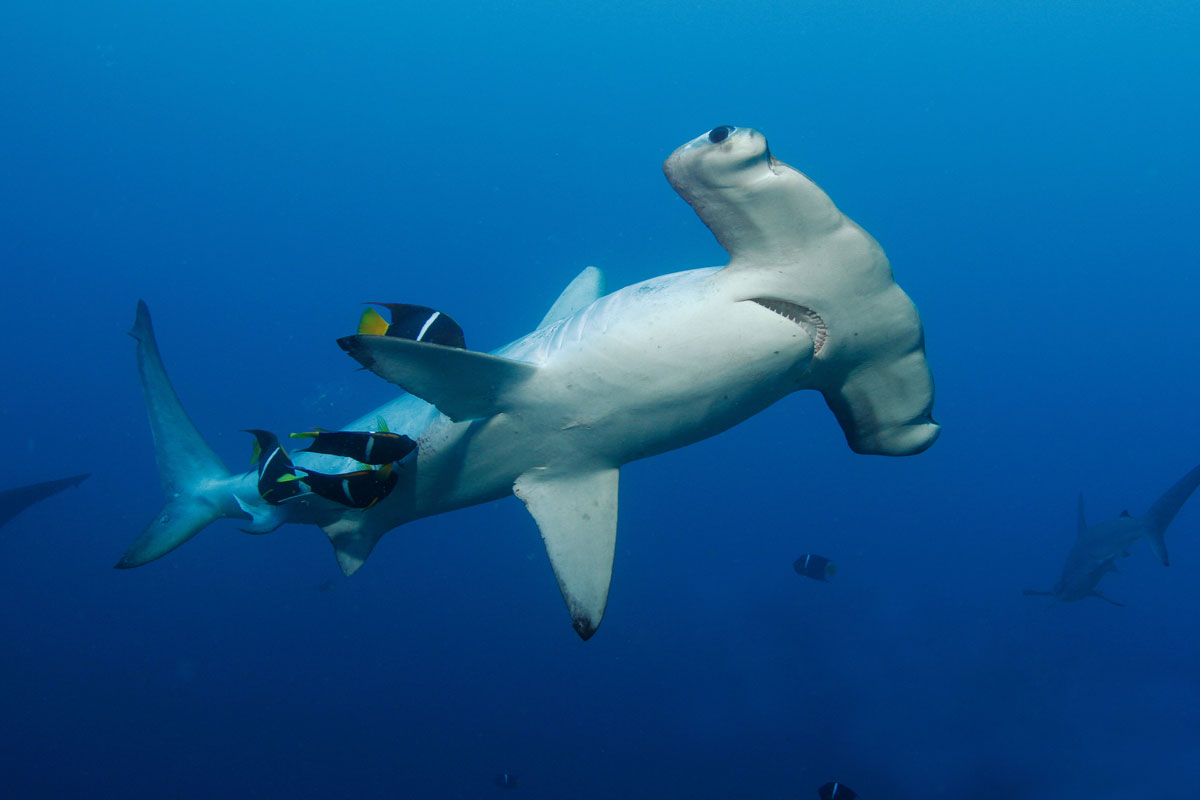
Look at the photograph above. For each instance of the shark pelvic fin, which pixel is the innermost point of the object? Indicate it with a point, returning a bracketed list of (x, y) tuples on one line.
[(193, 476), (353, 538), (462, 384), (587, 288), (577, 515)]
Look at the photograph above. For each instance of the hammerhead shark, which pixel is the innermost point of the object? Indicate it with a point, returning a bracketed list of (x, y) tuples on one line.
[(1098, 547), (807, 301), (14, 501)]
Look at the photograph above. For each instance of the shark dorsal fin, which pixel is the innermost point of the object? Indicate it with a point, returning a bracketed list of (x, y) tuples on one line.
[(587, 288)]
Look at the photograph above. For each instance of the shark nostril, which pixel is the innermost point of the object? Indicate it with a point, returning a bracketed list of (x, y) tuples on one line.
[(720, 133)]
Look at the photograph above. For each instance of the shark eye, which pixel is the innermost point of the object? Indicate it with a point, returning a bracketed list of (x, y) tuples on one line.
[(720, 133)]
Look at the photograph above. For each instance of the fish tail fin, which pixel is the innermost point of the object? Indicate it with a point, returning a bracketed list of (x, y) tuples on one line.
[(1164, 510), (194, 478)]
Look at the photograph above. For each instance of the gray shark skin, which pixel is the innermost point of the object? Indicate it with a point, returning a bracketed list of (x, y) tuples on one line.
[(14, 501), (1098, 547), (807, 301)]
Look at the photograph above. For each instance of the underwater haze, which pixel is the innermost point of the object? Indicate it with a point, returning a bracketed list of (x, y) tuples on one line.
[(257, 170)]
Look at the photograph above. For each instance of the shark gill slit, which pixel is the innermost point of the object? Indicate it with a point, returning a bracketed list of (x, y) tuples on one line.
[(801, 315)]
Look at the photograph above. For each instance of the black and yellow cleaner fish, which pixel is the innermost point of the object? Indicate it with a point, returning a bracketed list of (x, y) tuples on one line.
[(276, 475), (418, 323), (360, 489), (366, 447)]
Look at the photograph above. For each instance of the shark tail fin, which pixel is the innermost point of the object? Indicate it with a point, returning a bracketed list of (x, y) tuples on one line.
[(1164, 510), (193, 476)]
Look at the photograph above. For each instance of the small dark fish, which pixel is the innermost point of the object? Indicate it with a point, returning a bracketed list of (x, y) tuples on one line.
[(819, 568), (361, 489), (326, 585), (418, 323), (276, 475), (506, 781), (836, 791), (365, 447)]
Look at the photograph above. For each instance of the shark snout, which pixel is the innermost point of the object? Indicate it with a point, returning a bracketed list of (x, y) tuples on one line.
[(725, 157)]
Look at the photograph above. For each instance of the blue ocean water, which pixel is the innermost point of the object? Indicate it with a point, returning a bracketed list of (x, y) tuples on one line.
[(257, 170)]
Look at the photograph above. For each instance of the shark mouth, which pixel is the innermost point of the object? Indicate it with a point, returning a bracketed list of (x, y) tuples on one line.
[(803, 316)]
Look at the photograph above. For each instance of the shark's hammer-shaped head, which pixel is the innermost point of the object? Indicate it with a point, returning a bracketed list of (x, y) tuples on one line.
[(794, 253), (750, 200)]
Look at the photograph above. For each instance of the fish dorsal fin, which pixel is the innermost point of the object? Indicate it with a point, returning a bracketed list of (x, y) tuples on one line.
[(462, 384), (587, 288), (577, 515)]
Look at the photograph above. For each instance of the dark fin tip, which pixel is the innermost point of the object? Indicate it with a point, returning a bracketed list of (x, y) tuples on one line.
[(584, 627)]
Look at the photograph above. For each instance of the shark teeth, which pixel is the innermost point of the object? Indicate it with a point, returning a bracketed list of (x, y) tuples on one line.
[(803, 316)]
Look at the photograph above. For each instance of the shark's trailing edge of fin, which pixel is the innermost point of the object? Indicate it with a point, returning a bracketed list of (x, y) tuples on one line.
[(585, 289), (194, 479), (1160, 515), (462, 384), (577, 515)]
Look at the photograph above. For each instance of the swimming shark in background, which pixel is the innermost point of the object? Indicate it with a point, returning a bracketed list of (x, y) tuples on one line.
[(14, 501), (1098, 547), (807, 301)]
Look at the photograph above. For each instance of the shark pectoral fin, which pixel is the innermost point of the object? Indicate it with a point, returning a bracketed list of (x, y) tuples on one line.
[(577, 515), (462, 384), (580, 293)]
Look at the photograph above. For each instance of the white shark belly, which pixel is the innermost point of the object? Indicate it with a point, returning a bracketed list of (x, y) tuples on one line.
[(651, 368)]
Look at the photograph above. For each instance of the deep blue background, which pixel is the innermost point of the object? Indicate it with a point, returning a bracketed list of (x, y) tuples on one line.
[(256, 170)]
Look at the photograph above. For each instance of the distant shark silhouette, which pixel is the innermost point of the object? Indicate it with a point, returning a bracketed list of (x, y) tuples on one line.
[(14, 501), (807, 301), (1097, 548)]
